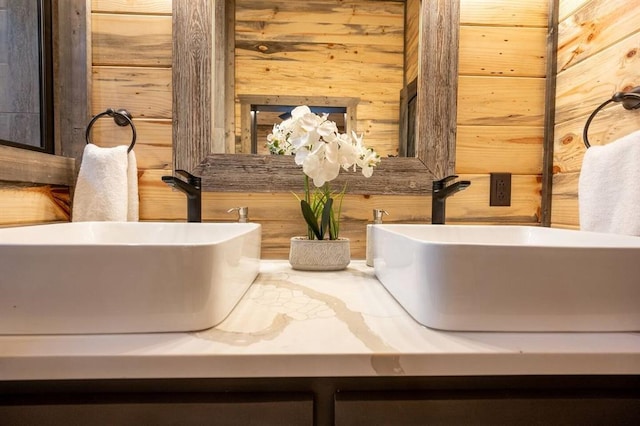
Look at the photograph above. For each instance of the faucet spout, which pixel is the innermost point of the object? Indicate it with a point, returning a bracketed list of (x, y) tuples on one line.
[(193, 190), (441, 191)]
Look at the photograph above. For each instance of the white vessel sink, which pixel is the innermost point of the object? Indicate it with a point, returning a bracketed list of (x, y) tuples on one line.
[(124, 277), (511, 278)]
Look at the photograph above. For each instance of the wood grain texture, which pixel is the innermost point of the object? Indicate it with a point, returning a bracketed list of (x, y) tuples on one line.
[(20, 165), (569, 7), (72, 70), (131, 40), (200, 110), (504, 12), (564, 204), (412, 38), (144, 92), (280, 217), (598, 53), (615, 68), (325, 49), (501, 101), (594, 27), (33, 204), (487, 149), (191, 77), (503, 51), (145, 7), (437, 105), (257, 173)]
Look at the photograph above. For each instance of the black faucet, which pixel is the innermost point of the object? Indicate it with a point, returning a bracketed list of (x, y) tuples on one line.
[(441, 191), (192, 187)]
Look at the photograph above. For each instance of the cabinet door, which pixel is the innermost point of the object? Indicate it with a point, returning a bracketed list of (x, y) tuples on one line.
[(406, 408), (183, 410)]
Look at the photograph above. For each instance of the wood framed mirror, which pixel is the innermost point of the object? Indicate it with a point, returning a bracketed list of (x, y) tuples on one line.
[(203, 101)]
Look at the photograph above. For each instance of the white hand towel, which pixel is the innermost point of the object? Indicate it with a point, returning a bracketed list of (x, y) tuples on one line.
[(609, 187), (107, 186)]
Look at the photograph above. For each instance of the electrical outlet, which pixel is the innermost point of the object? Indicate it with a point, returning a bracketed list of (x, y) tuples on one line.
[(500, 193)]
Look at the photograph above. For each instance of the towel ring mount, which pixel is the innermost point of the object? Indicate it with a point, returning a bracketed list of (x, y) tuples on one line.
[(121, 117), (630, 100)]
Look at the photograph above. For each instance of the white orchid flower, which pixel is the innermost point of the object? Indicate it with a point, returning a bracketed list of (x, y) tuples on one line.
[(319, 147)]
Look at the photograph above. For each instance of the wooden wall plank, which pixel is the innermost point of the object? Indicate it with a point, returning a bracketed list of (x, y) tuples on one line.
[(504, 12), (146, 7), (569, 7), (487, 149), (33, 204), (594, 27), (20, 165), (355, 12), (131, 40), (502, 51), (609, 125), (564, 204), (144, 92), (584, 86), (503, 101)]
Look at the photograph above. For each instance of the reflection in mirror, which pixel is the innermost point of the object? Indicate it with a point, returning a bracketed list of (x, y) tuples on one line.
[(26, 90), (259, 113), (206, 116), (263, 118), (331, 48)]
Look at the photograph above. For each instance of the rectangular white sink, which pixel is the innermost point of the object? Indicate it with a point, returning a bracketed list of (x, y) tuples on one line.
[(511, 278), (124, 277)]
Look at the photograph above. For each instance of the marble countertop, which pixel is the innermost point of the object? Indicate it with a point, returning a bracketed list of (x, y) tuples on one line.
[(316, 324)]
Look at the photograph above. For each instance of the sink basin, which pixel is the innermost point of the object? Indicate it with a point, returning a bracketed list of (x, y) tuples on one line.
[(510, 278), (123, 277)]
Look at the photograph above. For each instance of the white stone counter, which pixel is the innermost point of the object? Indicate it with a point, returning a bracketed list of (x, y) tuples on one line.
[(316, 324)]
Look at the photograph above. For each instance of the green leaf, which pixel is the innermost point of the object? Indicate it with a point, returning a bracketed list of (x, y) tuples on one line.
[(310, 218), (327, 212)]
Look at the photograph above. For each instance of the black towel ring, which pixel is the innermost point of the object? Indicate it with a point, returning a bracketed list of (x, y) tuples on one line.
[(122, 117), (630, 100)]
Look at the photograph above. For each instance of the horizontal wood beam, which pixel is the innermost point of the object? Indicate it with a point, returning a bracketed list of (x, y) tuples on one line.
[(21, 165)]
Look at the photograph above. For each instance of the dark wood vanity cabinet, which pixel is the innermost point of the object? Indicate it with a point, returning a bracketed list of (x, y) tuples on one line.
[(158, 409), (484, 408), (340, 401)]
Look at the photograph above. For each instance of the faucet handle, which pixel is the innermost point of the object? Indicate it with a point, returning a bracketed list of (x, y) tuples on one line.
[(191, 179), (440, 184)]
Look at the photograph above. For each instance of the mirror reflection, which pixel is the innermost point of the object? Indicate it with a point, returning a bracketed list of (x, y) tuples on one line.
[(26, 89), (320, 50)]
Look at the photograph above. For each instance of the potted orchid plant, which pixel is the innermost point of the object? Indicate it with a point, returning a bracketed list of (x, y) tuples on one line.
[(322, 151)]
